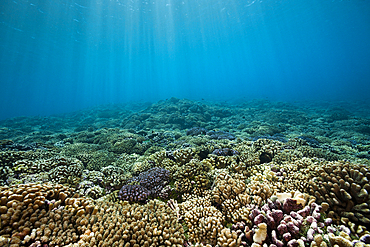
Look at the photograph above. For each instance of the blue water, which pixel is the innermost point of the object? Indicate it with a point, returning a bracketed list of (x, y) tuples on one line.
[(63, 55)]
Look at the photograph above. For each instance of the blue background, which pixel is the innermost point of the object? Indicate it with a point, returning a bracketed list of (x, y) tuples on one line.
[(59, 55)]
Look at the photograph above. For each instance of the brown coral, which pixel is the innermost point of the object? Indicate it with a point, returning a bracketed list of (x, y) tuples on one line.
[(45, 213), (204, 221), (345, 187), (23, 207)]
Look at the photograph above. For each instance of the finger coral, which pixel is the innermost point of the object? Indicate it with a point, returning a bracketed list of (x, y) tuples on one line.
[(204, 221), (281, 221), (345, 187), (48, 214)]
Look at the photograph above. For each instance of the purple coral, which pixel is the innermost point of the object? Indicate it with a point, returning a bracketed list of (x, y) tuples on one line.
[(151, 183), (275, 240), (316, 210), (270, 220), (254, 213), (292, 228), (154, 180), (133, 193), (287, 236), (310, 234), (282, 228), (219, 135), (259, 219), (278, 215), (290, 204), (280, 219), (285, 220), (293, 243), (225, 152), (304, 212), (196, 131)]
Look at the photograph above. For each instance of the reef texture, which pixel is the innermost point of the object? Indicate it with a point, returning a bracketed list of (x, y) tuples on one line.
[(36, 214), (183, 173)]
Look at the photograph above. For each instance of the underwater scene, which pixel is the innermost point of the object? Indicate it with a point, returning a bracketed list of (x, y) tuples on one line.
[(188, 173), (185, 123)]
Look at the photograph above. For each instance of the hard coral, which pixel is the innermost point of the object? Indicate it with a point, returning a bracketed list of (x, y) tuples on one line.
[(345, 187), (133, 193), (196, 131), (153, 180), (219, 135), (280, 223), (24, 207), (48, 215), (152, 183), (225, 152), (204, 221)]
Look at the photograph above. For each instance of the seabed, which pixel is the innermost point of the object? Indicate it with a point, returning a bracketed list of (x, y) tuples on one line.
[(188, 173)]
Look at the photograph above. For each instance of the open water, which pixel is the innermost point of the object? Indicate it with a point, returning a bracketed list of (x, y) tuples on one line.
[(64, 55)]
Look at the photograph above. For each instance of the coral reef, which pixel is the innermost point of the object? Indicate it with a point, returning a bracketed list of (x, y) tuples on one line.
[(151, 183), (48, 214), (114, 177), (24, 208), (184, 173), (155, 179), (204, 221), (345, 187), (225, 152), (133, 193)]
